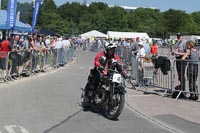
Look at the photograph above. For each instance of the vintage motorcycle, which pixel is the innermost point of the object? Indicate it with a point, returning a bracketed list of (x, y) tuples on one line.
[(109, 96)]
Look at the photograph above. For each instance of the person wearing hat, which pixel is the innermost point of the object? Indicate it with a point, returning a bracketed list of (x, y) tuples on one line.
[(179, 51), (103, 61), (141, 51), (134, 47), (134, 51), (140, 58)]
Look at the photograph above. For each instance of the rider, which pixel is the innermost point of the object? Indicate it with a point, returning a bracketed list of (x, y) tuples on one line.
[(104, 60)]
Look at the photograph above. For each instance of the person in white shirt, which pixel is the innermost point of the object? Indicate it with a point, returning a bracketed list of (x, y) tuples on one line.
[(48, 42), (58, 43), (59, 47), (140, 58), (66, 46), (141, 51)]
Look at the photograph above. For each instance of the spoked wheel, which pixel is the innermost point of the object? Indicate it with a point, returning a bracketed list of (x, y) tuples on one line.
[(114, 108), (86, 100), (86, 103)]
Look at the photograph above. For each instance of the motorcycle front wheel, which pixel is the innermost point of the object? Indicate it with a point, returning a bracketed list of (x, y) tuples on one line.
[(115, 106), (86, 100)]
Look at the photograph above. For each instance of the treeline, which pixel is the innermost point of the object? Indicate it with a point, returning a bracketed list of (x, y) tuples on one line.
[(76, 18)]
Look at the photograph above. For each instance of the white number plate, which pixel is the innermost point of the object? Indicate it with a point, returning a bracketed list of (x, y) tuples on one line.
[(117, 78)]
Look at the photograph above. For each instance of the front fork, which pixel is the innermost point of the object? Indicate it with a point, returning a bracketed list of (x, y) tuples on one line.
[(112, 91)]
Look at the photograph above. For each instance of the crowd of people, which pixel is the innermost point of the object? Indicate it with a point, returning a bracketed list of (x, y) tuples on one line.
[(31, 53)]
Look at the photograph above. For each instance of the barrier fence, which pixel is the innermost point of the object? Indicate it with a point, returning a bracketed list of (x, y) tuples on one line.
[(162, 72), (30, 62)]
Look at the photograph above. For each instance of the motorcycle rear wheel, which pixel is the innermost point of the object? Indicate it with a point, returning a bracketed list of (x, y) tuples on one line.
[(86, 100)]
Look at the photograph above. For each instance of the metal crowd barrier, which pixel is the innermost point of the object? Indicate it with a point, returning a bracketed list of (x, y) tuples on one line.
[(189, 80), (30, 62), (165, 76), (162, 81), (125, 52), (154, 72)]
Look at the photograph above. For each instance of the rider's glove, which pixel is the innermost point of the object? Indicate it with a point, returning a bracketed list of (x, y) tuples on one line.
[(101, 68), (102, 60), (124, 74)]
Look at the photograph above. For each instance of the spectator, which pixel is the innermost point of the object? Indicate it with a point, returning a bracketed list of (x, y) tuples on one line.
[(71, 55), (134, 51), (140, 58), (58, 57), (66, 45), (135, 47), (154, 50), (47, 42), (192, 70), (27, 54), (35, 54), (154, 53), (16, 56), (100, 45), (4, 49), (179, 51), (42, 53), (146, 46), (141, 51)]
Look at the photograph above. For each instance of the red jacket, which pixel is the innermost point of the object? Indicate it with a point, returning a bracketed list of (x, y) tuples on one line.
[(98, 64), (119, 67), (4, 49)]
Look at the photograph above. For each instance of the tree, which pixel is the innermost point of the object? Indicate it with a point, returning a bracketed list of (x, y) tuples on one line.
[(4, 4), (147, 20), (48, 18), (25, 12), (196, 18), (175, 20), (76, 18), (116, 19), (72, 12)]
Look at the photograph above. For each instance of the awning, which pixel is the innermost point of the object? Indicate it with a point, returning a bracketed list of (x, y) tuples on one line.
[(19, 26)]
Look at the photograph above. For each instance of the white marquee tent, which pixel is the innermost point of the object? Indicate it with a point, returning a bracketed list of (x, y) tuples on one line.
[(93, 33), (117, 35)]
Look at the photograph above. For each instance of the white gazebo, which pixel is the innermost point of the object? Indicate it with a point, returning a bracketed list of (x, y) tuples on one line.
[(127, 35), (93, 33)]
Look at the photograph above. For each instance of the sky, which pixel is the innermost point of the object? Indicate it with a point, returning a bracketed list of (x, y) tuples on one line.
[(188, 6)]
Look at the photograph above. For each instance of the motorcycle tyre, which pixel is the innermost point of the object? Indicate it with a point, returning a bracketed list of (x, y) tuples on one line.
[(86, 100), (119, 109)]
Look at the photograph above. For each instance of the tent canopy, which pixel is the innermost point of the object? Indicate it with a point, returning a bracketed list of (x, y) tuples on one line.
[(127, 35), (93, 33), (19, 26)]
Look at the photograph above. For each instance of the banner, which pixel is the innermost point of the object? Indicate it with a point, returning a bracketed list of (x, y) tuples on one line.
[(11, 14), (35, 13)]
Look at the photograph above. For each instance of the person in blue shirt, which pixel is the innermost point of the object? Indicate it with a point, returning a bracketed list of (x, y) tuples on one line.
[(146, 46)]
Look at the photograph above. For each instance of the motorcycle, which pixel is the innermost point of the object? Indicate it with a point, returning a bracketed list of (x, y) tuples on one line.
[(109, 96)]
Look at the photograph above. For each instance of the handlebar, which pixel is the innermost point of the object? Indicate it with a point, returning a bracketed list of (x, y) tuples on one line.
[(101, 68)]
